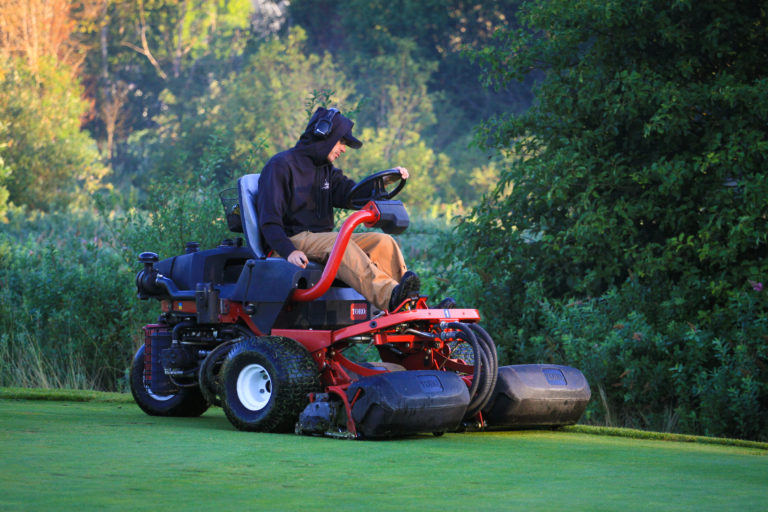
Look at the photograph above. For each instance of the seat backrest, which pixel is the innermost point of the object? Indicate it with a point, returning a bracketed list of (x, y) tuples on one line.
[(248, 189)]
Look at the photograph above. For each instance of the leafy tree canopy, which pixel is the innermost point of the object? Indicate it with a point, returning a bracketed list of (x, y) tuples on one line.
[(254, 113), (439, 30), (49, 162), (643, 158)]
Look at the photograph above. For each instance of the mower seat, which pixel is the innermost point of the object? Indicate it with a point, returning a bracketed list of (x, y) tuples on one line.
[(268, 282), (248, 189)]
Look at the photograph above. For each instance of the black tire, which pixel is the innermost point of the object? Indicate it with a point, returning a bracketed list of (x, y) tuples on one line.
[(207, 375), (188, 402), (265, 382)]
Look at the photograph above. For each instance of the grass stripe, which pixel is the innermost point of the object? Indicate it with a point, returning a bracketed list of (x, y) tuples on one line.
[(664, 436), (64, 395), (70, 395)]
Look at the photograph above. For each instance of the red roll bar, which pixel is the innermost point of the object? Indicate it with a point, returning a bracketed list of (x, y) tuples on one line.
[(369, 215)]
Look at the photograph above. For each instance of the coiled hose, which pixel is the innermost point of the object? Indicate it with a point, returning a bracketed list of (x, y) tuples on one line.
[(486, 362)]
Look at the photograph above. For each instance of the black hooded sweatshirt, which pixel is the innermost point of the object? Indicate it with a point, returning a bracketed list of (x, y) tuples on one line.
[(299, 187)]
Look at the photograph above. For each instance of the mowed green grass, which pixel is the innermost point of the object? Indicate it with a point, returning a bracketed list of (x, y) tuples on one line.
[(111, 456)]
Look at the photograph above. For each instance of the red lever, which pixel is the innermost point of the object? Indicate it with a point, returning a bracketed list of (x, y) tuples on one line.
[(369, 215)]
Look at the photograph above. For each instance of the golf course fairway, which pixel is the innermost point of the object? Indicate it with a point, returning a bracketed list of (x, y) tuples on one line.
[(108, 455)]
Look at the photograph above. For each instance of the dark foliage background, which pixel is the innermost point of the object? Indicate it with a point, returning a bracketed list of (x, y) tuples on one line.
[(630, 234), (589, 175)]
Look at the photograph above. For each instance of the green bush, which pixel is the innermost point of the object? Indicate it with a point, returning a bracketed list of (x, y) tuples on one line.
[(639, 190), (651, 364), (66, 306), (656, 373)]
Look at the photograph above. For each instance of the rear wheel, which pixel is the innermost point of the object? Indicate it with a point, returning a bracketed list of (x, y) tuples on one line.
[(207, 375), (182, 402), (265, 382)]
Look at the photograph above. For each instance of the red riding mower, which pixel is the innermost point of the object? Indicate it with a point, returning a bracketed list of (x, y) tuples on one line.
[(266, 340)]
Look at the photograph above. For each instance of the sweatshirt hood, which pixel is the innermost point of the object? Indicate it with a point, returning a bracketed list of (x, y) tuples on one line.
[(316, 146)]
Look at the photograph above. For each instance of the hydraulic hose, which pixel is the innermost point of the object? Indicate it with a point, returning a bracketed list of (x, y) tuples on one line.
[(486, 363), (493, 371), (176, 332), (484, 380), (466, 335)]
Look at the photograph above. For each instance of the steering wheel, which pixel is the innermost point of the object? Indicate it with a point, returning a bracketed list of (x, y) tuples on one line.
[(380, 186)]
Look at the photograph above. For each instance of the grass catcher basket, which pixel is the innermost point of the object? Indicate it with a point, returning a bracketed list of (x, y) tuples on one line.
[(230, 200)]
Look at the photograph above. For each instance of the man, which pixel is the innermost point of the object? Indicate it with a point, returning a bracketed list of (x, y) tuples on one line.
[(298, 190)]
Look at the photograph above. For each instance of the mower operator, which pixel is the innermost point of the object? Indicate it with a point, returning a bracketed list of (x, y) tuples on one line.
[(298, 189)]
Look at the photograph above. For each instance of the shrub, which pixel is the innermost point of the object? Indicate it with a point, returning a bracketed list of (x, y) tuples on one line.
[(639, 188), (68, 306), (660, 374), (46, 161), (66, 312)]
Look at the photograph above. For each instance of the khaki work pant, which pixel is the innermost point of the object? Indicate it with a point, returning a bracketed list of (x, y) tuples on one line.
[(372, 264)]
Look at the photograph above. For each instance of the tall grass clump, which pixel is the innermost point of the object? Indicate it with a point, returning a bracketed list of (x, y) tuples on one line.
[(66, 310)]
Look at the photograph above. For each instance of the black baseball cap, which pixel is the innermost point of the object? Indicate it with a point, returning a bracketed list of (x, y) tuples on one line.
[(351, 141)]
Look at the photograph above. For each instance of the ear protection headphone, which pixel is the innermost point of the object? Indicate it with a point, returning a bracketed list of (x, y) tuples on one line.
[(324, 124)]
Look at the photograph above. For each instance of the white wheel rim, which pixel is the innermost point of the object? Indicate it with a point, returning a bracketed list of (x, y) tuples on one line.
[(155, 396), (254, 387), (159, 398)]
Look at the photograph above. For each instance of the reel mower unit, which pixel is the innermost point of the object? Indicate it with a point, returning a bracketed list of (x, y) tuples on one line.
[(278, 346)]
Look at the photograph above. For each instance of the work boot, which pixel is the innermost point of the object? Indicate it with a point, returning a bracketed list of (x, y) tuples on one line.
[(446, 303), (409, 284)]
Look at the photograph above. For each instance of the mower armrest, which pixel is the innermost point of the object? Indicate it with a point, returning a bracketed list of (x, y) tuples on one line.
[(173, 292)]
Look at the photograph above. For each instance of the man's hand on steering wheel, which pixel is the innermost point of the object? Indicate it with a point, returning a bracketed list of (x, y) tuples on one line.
[(380, 186)]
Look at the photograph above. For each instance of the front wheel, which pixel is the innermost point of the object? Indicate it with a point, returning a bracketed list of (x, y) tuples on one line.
[(182, 402), (265, 382)]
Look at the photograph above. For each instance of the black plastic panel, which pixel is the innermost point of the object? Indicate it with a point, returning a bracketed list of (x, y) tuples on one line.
[(537, 395), (408, 402)]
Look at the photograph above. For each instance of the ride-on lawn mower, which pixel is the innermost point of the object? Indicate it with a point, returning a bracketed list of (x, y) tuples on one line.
[(268, 341)]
